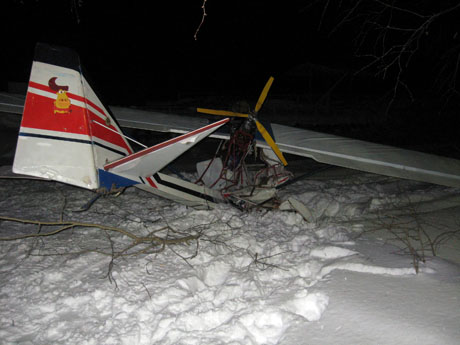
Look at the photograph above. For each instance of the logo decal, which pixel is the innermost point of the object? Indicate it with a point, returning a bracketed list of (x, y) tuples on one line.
[(62, 103)]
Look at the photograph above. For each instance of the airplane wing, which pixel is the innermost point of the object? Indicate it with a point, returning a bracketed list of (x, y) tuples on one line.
[(324, 148), (367, 156)]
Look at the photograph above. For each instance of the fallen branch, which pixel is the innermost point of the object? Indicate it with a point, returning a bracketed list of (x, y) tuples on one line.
[(67, 225)]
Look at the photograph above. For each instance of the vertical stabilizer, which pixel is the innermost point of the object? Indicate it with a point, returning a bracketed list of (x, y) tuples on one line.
[(66, 133)]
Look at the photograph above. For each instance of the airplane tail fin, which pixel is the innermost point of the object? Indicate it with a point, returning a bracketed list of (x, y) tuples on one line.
[(66, 133)]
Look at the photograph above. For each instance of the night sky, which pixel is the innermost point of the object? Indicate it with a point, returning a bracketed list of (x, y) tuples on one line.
[(140, 53), (153, 50)]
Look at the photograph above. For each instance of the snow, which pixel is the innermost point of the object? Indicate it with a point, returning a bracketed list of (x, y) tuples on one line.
[(258, 277)]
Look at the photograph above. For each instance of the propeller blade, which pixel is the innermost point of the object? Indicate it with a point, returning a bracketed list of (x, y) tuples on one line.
[(220, 112), (268, 138), (263, 95)]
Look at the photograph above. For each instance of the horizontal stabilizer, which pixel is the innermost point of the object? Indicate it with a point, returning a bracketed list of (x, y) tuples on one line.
[(150, 160)]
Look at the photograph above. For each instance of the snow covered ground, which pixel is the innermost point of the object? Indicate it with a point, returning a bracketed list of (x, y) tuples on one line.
[(344, 276)]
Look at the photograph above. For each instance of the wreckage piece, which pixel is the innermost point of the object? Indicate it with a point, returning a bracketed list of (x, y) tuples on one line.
[(322, 147)]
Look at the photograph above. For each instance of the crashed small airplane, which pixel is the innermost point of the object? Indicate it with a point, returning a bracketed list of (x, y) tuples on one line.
[(68, 135)]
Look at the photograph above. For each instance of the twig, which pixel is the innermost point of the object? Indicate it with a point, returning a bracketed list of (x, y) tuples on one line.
[(148, 292), (203, 6), (256, 260)]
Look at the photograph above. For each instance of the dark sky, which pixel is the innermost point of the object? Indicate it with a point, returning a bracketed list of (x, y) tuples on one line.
[(152, 43), (151, 49), (139, 52)]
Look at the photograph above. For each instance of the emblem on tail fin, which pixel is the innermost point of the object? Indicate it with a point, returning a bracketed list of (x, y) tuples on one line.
[(62, 103)]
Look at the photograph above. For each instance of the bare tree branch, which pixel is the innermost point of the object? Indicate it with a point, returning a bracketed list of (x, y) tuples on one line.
[(203, 7), (393, 32)]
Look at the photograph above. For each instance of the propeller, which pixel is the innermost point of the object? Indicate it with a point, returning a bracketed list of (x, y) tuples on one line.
[(252, 116)]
